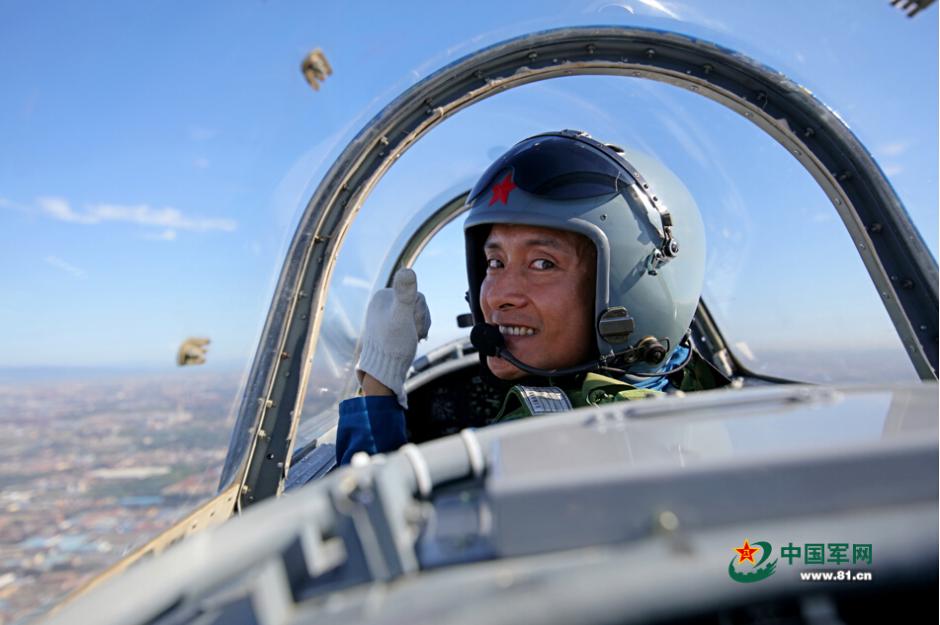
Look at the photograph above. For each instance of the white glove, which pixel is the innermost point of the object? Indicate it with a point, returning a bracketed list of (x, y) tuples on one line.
[(395, 320)]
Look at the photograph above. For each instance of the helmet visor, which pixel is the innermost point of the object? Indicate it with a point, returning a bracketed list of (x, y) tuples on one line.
[(558, 168)]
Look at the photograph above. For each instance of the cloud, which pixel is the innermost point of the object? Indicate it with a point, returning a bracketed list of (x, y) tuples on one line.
[(895, 148), (68, 268), (356, 282), (11, 205), (433, 252), (199, 133), (166, 235), (201, 163), (141, 214), (888, 155), (59, 209)]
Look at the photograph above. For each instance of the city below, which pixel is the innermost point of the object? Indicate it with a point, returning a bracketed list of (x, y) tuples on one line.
[(91, 469)]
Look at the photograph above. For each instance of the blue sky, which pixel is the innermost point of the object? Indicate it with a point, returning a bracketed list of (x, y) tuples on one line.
[(155, 156)]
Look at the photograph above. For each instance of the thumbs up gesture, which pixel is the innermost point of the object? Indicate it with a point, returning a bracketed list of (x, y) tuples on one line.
[(395, 320)]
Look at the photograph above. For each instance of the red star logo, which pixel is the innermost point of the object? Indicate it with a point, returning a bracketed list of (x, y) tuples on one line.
[(746, 552), (501, 190)]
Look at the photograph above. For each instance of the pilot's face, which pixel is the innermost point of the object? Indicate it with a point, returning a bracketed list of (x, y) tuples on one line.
[(539, 290)]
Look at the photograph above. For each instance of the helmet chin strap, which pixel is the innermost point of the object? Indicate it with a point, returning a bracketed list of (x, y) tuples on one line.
[(489, 341)]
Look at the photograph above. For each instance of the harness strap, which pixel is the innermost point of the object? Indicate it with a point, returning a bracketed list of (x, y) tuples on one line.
[(542, 399)]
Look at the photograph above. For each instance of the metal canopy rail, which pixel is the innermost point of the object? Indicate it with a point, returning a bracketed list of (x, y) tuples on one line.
[(901, 266)]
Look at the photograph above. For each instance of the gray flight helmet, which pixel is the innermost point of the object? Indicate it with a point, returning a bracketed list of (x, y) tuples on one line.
[(644, 224)]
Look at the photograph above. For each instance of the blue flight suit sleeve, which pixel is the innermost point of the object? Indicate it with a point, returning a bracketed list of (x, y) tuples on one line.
[(373, 424)]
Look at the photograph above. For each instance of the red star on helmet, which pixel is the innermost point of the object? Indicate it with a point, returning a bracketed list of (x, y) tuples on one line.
[(501, 190)]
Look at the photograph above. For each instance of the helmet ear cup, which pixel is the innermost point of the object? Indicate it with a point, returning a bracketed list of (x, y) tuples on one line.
[(615, 325)]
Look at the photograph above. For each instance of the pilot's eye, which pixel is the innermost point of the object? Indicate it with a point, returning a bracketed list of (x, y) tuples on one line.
[(493, 263), (542, 264)]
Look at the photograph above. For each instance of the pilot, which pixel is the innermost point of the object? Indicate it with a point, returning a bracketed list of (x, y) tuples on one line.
[(584, 275)]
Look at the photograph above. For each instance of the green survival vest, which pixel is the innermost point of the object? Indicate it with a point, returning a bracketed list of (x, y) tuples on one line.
[(597, 389)]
